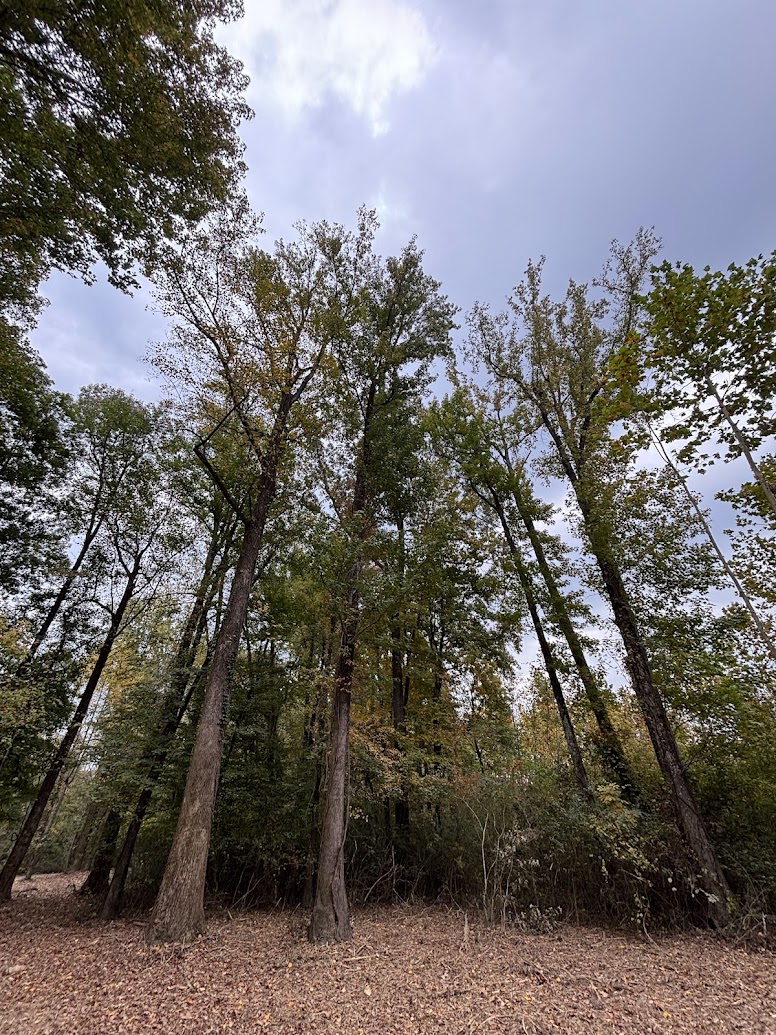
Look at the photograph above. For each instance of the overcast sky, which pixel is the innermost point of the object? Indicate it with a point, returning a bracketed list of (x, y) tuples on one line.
[(495, 131)]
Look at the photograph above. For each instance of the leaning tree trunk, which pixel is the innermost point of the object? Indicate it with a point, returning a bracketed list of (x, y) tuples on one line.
[(95, 523), (35, 814), (688, 816), (179, 913), (176, 706), (574, 750), (79, 849), (611, 749)]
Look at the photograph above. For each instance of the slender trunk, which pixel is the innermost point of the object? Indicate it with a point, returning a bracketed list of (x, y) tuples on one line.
[(179, 913), (58, 601), (610, 747), (35, 814), (308, 895), (688, 816), (311, 734), (758, 623), (96, 883), (743, 445), (399, 716), (331, 917), (76, 859), (575, 753)]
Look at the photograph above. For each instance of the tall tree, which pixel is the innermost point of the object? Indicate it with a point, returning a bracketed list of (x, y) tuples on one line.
[(253, 328), (183, 681), (33, 454), (135, 550), (560, 358), (711, 348), (401, 321), (484, 444)]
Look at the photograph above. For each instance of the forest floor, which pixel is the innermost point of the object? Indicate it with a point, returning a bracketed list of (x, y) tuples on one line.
[(407, 970)]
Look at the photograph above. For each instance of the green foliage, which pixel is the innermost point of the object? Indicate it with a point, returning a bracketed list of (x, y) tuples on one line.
[(34, 432), (712, 353), (118, 127)]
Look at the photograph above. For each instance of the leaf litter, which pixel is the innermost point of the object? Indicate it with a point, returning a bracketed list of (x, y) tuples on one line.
[(409, 970)]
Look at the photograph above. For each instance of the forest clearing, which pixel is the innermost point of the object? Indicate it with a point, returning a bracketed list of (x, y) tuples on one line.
[(408, 970)]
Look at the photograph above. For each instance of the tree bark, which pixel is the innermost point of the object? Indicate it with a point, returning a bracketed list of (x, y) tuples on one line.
[(78, 854), (688, 816), (114, 894), (331, 918), (35, 814), (176, 706), (179, 913)]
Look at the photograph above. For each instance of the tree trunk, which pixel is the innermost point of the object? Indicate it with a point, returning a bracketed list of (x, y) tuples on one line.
[(176, 706), (95, 523), (35, 814), (689, 819), (179, 913), (331, 919), (311, 734), (611, 749), (569, 732), (96, 883), (77, 856), (746, 600), (743, 445), (399, 716)]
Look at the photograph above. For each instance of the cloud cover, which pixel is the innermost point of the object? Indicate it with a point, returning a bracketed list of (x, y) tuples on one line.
[(496, 132)]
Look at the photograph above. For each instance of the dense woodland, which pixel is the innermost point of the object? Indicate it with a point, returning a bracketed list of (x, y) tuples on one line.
[(386, 600)]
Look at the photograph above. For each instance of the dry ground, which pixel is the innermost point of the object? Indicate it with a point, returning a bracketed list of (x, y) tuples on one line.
[(407, 970)]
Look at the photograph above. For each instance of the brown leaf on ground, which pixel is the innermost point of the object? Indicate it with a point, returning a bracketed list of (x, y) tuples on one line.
[(406, 971)]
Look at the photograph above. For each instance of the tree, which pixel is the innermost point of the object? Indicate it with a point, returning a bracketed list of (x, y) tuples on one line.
[(712, 352), (134, 551), (562, 359), (183, 680), (110, 438), (252, 328), (118, 127), (33, 455), (484, 443), (401, 321), (112, 435)]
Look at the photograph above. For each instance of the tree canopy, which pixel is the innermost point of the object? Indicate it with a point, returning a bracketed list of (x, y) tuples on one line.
[(118, 125)]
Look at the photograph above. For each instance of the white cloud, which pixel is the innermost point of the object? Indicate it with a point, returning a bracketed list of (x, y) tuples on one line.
[(299, 53)]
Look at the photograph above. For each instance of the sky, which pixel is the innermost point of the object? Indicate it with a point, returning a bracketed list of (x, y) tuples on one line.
[(495, 131)]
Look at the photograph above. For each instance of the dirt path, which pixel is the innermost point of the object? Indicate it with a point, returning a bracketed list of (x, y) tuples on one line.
[(406, 971)]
